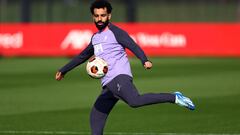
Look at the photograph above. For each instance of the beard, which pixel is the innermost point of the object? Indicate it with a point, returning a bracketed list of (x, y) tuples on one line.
[(103, 25)]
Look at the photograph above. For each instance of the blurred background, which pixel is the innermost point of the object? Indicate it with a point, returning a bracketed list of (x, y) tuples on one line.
[(124, 10)]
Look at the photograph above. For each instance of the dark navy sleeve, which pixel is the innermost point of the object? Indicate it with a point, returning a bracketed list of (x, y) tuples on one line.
[(79, 59), (126, 41)]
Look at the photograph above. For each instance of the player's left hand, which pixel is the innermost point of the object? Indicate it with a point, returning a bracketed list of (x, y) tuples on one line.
[(148, 65)]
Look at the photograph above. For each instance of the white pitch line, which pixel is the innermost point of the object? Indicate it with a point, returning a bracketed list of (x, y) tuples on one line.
[(107, 133)]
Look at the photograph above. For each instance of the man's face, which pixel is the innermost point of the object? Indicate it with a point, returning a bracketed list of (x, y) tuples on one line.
[(101, 18)]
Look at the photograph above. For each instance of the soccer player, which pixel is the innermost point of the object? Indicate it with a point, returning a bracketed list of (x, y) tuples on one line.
[(109, 43)]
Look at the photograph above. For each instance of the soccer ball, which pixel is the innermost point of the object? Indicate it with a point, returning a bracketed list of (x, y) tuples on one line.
[(97, 67)]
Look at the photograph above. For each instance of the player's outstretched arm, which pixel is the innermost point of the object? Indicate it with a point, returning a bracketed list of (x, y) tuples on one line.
[(148, 65), (59, 76)]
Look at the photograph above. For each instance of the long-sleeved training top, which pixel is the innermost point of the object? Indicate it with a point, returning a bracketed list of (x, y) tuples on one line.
[(109, 45)]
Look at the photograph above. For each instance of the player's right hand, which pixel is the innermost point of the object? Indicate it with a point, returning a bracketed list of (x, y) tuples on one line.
[(59, 76)]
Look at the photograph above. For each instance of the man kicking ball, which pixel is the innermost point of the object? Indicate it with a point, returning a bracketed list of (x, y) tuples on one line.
[(109, 43)]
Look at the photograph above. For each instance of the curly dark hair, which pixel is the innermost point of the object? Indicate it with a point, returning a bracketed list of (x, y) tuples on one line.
[(101, 4)]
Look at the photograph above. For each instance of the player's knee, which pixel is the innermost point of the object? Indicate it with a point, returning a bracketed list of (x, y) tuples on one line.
[(105, 103)]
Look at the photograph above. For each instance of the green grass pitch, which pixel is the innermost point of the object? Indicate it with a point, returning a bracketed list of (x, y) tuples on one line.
[(32, 102)]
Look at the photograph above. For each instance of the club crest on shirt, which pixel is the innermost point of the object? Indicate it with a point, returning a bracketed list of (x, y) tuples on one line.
[(98, 48)]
